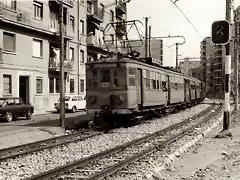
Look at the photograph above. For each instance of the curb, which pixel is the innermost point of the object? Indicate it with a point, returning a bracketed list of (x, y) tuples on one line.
[(172, 157)]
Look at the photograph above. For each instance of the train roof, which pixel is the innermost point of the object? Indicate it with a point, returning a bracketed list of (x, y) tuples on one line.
[(123, 59)]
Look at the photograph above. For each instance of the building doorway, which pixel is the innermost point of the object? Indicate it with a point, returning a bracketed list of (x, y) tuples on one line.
[(24, 88)]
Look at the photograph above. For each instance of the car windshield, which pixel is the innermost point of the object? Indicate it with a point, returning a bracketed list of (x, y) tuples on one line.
[(1, 102), (67, 98)]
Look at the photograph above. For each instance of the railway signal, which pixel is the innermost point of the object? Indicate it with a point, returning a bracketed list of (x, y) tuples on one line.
[(220, 32)]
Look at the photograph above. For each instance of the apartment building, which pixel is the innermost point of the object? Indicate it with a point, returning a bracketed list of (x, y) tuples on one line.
[(29, 50), (186, 66), (105, 19), (156, 48), (206, 51)]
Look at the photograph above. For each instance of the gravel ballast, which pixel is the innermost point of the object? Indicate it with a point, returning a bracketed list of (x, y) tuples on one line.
[(26, 166)]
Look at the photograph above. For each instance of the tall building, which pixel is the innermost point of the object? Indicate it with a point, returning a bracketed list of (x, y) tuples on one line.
[(156, 48), (206, 51), (99, 14), (186, 66), (29, 50)]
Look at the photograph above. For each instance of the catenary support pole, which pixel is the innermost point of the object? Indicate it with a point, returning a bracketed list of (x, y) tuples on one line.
[(236, 59), (149, 43), (62, 87), (176, 56), (146, 37), (78, 46)]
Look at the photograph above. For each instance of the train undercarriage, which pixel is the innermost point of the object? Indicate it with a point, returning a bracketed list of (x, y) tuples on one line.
[(106, 120)]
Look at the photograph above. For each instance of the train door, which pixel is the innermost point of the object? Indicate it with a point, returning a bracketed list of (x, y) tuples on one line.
[(140, 87), (169, 89)]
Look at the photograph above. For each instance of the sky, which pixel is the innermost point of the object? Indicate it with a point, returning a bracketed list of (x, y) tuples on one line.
[(165, 19)]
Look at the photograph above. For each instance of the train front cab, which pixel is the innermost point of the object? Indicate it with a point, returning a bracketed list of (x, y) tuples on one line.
[(106, 88)]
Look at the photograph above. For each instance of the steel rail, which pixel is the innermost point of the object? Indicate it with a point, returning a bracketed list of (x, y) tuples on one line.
[(112, 169), (68, 167), (37, 146)]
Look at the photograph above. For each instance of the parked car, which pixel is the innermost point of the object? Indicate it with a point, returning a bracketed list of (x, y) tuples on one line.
[(14, 107), (72, 103)]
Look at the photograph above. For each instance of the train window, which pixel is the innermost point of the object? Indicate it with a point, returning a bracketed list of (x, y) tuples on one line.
[(147, 79), (132, 77), (115, 78), (91, 78), (164, 85), (158, 84), (105, 78)]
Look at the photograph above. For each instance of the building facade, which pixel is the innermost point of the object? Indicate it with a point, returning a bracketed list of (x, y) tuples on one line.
[(206, 51), (29, 50), (105, 19), (156, 48), (186, 66)]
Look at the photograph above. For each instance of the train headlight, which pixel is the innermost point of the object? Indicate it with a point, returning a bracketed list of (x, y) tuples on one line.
[(119, 99), (92, 100)]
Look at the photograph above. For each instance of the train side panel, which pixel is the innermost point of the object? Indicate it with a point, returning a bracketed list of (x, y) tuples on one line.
[(176, 89)]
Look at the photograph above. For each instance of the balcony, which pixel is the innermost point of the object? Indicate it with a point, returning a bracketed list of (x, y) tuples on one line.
[(121, 7), (95, 14), (94, 41), (54, 65)]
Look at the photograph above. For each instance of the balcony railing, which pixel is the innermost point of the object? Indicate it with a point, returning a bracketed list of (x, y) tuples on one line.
[(54, 64), (121, 7), (94, 41), (96, 14)]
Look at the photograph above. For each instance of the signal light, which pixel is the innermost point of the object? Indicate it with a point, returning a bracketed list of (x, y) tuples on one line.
[(221, 32)]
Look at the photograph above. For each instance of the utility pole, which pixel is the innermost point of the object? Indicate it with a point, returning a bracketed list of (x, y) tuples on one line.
[(62, 87), (176, 56), (146, 37), (149, 43), (236, 58)]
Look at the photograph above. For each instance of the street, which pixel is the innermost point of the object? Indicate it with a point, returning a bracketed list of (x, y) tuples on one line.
[(51, 119)]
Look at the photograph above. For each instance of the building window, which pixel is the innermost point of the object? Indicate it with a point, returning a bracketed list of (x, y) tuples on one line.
[(57, 85), (102, 10), (82, 26), (81, 1), (7, 84), (51, 85), (82, 85), (112, 15), (71, 85), (11, 4), (112, 38), (89, 7), (82, 56), (39, 86), (38, 10), (72, 23), (71, 54), (9, 42), (37, 48)]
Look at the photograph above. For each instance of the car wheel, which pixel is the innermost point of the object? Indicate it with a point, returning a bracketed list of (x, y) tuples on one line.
[(29, 114), (74, 109), (9, 117)]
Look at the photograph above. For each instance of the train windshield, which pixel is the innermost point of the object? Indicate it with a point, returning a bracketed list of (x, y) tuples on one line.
[(106, 78)]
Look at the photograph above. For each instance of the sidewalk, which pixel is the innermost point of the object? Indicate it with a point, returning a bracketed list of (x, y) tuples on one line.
[(211, 158), (28, 135)]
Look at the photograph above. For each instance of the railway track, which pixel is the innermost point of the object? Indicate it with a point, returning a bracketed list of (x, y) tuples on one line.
[(100, 165), (28, 148)]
